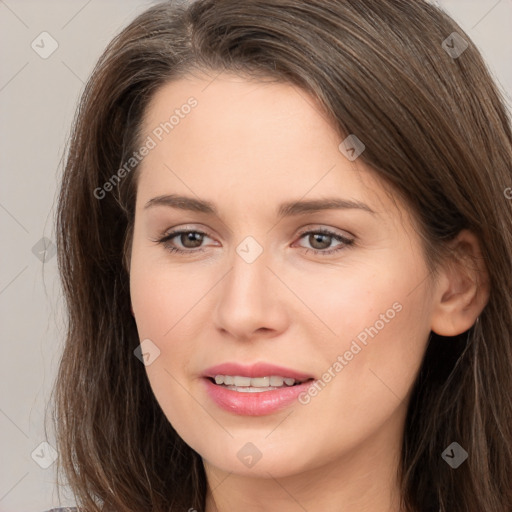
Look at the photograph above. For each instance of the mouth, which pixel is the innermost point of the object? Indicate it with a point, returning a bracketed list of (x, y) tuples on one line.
[(254, 390), (243, 384), (256, 371), (248, 396)]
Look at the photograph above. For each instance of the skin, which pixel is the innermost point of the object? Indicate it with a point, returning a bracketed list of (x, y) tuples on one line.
[(247, 147)]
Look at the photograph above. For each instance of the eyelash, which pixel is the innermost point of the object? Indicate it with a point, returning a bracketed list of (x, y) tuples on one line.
[(172, 249)]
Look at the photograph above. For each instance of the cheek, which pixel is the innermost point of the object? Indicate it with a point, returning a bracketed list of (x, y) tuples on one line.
[(169, 308), (161, 301), (381, 321), (356, 303), (161, 293)]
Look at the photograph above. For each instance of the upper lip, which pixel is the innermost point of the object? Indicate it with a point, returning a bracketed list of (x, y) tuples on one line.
[(260, 369)]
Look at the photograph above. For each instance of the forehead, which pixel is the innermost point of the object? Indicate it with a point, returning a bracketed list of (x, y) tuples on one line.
[(230, 106), (251, 136)]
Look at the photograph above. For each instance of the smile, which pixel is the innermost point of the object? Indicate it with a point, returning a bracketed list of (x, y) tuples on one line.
[(255, 384), (251, 400)]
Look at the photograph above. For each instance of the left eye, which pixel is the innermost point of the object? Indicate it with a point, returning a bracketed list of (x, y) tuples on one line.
[(324, 236), (191, 241)]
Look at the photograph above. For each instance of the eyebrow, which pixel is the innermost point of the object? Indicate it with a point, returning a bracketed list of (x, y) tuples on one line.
[(287, 209)]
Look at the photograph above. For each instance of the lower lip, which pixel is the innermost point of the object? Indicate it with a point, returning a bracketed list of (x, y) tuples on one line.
[(254, 404)]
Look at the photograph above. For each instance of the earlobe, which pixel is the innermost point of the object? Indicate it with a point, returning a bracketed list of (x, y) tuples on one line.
[(462, 290)]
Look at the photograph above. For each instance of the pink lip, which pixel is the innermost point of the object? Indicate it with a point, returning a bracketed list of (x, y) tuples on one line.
[(253, 404), (254, 370), (259, 403)]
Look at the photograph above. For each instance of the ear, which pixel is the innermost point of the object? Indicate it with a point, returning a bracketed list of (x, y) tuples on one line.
[(462, 288)]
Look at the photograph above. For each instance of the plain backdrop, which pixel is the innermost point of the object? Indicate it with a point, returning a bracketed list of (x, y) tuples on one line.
[(38, 96)]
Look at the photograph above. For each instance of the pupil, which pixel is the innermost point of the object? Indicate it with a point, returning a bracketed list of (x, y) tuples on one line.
[(320, 235), (192, 237)]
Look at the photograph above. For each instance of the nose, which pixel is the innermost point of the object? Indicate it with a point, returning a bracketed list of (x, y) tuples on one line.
[(251, 301)]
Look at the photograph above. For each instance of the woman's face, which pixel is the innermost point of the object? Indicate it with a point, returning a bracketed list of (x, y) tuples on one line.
[(340, 295)]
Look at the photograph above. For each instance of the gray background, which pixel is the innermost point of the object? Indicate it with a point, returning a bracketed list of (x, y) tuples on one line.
[(37, 101)]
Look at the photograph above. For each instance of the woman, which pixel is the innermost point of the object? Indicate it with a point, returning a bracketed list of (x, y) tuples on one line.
[(285, 239)]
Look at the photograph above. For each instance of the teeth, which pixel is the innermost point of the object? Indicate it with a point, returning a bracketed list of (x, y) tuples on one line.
[(257, 382), (274, 381)]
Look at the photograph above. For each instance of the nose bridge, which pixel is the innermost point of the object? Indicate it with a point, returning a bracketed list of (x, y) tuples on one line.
[(250, 249), (248, 300), (249, 272)]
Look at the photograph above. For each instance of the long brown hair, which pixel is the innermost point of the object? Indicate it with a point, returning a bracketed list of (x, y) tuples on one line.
[(435, 127)]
